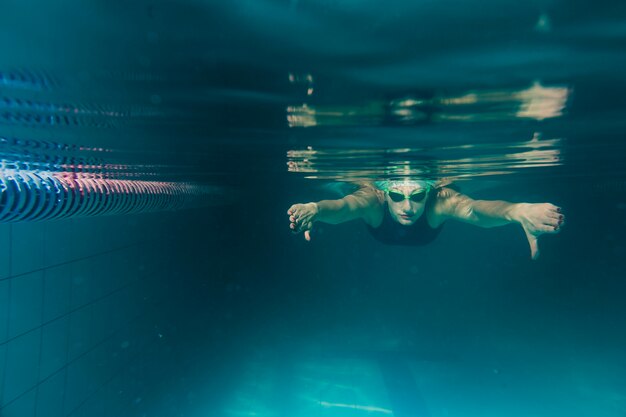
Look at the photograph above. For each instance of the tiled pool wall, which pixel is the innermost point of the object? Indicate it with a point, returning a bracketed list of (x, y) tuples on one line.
[(80, 301)]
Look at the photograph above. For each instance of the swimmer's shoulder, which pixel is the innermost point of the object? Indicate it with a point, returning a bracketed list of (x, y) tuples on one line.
[(373, 202), (446, 198)]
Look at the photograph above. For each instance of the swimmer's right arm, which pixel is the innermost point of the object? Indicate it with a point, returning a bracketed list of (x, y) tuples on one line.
[(358, 205)]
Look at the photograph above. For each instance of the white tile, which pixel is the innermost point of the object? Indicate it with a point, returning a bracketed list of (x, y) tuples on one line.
[(100, 276), (50, 396), (76, 388), (99, 366), (104, 231), (22, 407), (26, 303), (82, 283), (101, 233), (54, 347), (4, 310), (27, 247), (87, 243), (112, 398), (95, 407), (118, 269), (102, 324), (100, 321), (57, 291), (3, 350), (119, 309), (22, 365), (80, 332), (111, 358), (5, 243), (82, 383), (126, 234), (59, 244)]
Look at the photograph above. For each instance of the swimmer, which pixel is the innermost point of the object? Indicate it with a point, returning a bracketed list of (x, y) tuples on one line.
[(412, 212)]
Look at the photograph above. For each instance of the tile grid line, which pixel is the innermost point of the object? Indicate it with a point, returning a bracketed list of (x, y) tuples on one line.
[(156, 385), (153, 387), (92, 302), (10, 277), (68, 363), (67, 336), (8, 315), (121, 370), (162, 381), (40, 359), (81, 307), (7, 340)]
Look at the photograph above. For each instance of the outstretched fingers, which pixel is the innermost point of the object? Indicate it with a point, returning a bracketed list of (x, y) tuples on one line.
[(549, 228), (553, 219), (551, 214), (552, 225)]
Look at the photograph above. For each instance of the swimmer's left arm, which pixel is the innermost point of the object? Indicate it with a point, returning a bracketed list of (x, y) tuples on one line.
[(535, 219)]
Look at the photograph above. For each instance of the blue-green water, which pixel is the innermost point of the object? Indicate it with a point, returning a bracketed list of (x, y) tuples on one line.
[(225, 114)]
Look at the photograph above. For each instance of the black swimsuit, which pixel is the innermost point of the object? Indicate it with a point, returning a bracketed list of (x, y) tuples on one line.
[(393, 233)]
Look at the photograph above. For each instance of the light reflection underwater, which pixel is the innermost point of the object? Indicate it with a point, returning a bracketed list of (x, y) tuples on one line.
[(537, 102), (449, 162)]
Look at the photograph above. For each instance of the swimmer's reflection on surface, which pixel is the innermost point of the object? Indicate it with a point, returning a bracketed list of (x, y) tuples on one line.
[(412, 212)]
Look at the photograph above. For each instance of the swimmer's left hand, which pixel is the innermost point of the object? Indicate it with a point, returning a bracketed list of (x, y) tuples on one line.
[(537, 219)]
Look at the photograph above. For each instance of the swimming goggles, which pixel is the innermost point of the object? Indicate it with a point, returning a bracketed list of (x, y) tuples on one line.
[(416, 196)]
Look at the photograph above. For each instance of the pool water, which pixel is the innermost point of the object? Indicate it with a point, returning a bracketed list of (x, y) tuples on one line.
[(225, 114)]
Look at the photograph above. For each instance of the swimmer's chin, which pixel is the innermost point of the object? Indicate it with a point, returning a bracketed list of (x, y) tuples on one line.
[(405, 220)]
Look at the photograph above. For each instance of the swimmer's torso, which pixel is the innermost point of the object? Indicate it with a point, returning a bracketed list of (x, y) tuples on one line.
[(392, 233)]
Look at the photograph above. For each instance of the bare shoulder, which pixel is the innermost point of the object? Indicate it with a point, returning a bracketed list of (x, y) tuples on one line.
[(368, 190), (447, 200), (447, 196), (445, 193), (369, 201)]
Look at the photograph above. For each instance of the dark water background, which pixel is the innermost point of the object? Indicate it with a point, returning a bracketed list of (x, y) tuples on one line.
[(267, 324)]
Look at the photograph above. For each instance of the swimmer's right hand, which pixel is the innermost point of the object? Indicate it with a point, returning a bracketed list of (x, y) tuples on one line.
[(301, 218)]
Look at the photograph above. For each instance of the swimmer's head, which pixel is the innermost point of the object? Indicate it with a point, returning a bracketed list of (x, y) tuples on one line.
[(406, 199)]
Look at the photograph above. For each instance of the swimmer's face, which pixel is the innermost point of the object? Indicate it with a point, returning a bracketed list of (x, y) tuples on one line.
[(406, 203)]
